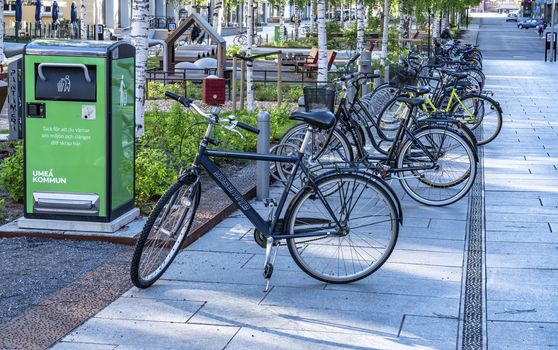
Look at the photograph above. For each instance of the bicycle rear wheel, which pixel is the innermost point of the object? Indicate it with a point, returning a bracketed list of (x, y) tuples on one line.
[(363, 242), (442, 180), (477, 110), (326, 146), (164, 232)]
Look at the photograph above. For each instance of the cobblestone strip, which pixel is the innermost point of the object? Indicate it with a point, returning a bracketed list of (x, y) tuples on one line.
[(473, 335)]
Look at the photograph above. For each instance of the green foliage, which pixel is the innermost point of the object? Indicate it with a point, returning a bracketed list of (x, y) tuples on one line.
[(154, 174), (153, 63), (350, 35), (156, 90), (233, 50), (11, 174), (265, 92), (294, 92), (268, 92), (300, 42)]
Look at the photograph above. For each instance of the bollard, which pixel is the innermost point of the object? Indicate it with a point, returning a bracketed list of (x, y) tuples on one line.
[(365, 66), (386, 74), (378, 80), (262, 167), (301, 104)]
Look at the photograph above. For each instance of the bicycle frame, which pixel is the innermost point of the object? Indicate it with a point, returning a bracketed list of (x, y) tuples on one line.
[(268, 230)]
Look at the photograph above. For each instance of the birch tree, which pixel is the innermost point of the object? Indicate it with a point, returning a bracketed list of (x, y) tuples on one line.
[(84, 19), (296, 20), (250, 35), (322, 43), (139, 40), (282, 21), (2, 57), (360, 25), (312, 15), (385, 32), (218, 16)]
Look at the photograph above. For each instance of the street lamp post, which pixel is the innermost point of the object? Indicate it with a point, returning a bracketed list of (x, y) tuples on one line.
[(552, 43)]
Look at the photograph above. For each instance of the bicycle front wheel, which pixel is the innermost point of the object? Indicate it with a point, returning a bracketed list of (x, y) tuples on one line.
[(478, 110), (164, 232), (358, 222), (438, 167)]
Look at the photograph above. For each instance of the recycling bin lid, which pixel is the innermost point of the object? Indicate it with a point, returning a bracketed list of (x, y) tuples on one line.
[(84, 48)]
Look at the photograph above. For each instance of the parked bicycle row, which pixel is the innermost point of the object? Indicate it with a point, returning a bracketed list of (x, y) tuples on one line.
[(338, 212)]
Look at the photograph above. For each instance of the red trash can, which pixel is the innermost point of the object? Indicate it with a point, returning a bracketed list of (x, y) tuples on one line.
[(213, 90)]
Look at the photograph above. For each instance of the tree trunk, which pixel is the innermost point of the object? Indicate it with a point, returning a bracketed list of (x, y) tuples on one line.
[(84, 20), (436, 26), (312, 15), (297, 20), (250, 35), (282, 22), (2, 57), (140, 41), (401, 27), (322, 43), (385, 32), (360, 25), (218, 16)]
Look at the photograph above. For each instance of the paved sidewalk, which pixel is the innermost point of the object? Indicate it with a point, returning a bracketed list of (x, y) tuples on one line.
[(521, 198), (481, 273)]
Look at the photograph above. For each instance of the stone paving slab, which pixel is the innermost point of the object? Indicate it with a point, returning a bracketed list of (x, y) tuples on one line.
[(416, 300)]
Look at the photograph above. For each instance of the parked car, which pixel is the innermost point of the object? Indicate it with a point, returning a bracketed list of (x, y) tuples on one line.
[(512, 17), (531, 23)]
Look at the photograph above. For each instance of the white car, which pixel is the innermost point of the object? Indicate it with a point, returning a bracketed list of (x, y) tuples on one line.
[(512, 17)]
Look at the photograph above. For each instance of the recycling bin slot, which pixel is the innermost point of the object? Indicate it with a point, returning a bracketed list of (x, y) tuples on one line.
[(66, 82), (69, 203)]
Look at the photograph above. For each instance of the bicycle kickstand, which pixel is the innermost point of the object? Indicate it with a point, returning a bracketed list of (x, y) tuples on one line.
[(268, 263)]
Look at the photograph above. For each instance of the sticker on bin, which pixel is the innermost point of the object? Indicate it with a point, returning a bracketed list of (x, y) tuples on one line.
[(88, 112)]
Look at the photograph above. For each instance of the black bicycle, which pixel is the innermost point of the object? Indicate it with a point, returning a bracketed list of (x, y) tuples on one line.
[(340, 227)]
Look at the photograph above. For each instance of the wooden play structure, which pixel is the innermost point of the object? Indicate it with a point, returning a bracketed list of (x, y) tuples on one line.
[(217, 49)]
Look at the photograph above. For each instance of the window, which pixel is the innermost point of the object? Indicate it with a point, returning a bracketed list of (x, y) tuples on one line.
[(9, 6)]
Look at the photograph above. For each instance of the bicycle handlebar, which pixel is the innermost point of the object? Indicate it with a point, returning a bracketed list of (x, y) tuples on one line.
[(189, 103)]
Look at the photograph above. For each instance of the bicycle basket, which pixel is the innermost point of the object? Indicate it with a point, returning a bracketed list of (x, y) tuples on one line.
[(319, 98), (402, 77)]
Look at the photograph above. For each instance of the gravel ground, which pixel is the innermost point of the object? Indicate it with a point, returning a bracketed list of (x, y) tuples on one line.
[(35, 268)]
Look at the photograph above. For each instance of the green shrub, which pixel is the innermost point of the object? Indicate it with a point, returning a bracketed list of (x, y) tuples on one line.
[(265, 92), (233, 50), (156, 89), (11, 174), (293, 92), (154, 174)]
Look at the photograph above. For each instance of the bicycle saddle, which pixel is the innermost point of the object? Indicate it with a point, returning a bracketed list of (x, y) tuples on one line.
[(417, 90), (454, 73), (415, 102), (321, 119)]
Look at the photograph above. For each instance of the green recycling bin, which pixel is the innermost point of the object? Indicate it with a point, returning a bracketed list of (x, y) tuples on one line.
[(79, 130)]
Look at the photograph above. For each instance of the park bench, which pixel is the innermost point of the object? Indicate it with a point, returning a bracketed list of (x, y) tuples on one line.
[(313, 67), (304, 60)]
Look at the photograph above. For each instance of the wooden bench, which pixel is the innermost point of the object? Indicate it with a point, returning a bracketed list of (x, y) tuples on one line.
[(301, 61), (330, 59)]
